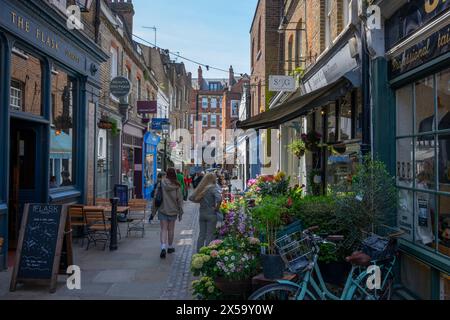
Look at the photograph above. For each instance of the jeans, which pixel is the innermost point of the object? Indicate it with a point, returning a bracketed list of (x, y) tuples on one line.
[(208, 224)]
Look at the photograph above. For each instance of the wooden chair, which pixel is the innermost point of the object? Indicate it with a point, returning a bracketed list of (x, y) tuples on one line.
[(102, 202), (137, 216), (78, 220), (97, 227)]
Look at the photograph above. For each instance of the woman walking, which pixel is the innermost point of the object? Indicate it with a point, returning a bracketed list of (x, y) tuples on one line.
[(170, 209), (209, 196)]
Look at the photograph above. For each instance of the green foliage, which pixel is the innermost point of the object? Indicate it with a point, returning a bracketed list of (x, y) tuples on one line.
[(114, 128), (314, 189), (369, 202), (205, 289), (268, 218), (297, 147)]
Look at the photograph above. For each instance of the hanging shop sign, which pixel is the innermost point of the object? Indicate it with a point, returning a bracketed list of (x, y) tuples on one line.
[(281, 83), (120, 87), (411, 17), (435, 45), (157, 123), (144, 107)]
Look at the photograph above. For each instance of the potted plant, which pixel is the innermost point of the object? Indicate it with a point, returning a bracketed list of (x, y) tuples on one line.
[(268, 215), (312, 141), (298, 148), (105, 123), (231, 263)]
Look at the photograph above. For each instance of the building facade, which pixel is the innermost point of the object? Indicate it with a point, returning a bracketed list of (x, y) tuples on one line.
[(50, 86), (411, 98)]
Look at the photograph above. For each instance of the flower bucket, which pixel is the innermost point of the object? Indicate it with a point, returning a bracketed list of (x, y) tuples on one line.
[(273, 266), (234, 287)]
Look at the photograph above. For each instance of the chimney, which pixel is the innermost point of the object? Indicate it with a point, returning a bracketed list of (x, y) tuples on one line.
[(125, 9), (231, 78), (200, 77)]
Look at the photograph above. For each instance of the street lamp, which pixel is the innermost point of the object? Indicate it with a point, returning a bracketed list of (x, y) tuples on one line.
[(165, 131)]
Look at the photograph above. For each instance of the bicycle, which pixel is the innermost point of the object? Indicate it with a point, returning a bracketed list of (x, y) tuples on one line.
[(300, 251)]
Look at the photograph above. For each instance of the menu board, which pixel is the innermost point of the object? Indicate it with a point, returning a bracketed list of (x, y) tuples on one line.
[(40, 243)]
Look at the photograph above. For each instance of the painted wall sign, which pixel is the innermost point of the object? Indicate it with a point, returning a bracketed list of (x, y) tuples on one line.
[(120, 87), (433, 46), (147, 107), (413, 16)]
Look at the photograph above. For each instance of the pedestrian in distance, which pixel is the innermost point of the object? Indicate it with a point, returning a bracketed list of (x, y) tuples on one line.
[(209, 196), (171, 208)]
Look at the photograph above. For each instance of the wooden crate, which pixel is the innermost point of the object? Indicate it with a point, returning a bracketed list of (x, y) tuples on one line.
[(260, 281)]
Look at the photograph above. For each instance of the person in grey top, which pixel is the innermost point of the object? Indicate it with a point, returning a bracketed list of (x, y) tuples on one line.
[(209, 196)]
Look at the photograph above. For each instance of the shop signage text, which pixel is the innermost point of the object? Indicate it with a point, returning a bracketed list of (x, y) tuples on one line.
[(120, 87), (433, 46), (157, 123), (147, 107), (412, 16), (282, 83)]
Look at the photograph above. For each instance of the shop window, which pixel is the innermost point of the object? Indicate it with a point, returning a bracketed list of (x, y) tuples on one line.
[(63, 126), (405, 111), (443, 218), (345, 121), (26, 82), (405, 174), (424, 99), (331, 124)]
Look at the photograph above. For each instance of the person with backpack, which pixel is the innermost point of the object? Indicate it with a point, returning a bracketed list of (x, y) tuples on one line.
[(170, 198), (209, 196), (156, 203)]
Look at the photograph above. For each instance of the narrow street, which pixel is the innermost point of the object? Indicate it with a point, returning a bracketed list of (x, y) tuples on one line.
[(135, 271)]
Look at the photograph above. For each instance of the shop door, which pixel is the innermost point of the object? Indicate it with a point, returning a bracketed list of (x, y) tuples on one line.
[(24, 173)]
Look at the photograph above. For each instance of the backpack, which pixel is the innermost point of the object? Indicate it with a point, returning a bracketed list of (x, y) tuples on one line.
[(158, 196)]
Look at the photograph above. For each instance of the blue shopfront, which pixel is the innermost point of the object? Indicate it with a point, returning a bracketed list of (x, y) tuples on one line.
[(150, 161), (49, 82)]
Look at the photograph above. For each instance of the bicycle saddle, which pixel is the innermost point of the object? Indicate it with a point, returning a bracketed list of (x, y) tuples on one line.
[(359, 258)]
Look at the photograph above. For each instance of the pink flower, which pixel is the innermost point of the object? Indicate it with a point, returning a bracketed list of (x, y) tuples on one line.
[(214, 253), (215, 242), (252, 240)]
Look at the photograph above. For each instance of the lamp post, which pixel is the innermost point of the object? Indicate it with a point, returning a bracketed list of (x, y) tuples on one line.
[(165, 131)]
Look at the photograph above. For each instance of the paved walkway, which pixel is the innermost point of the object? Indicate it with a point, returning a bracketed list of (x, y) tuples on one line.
[(134, 271)]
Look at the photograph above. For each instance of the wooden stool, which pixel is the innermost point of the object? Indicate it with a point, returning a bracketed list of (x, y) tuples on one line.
[(260, 281)]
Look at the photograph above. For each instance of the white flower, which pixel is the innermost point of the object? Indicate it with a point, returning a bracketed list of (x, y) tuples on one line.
[(233, 258), (225, 258)]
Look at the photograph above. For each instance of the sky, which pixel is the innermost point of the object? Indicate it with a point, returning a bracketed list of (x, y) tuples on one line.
[(213, 32)]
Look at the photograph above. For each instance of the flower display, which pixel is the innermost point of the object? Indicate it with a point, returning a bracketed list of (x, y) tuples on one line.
[(205, 289)]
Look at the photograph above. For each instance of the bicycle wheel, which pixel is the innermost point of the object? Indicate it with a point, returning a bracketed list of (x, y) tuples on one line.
[(385, 293), (276, 292)]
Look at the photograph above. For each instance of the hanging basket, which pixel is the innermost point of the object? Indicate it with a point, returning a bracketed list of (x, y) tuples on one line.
[(105, 125)]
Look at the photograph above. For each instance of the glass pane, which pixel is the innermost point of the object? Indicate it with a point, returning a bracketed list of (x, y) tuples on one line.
[(444, 162), (424, 95), (62, 129), (424, 219), (404, 171), (345, 121), (443, 99), (406, 213), (331, 125), (425, 163), (444, 225), (405, 111), (26, 82), (415, 276)]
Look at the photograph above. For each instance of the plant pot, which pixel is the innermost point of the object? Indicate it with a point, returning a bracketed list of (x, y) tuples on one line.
[(340, 148), (105, 125), (300, 154), (335, 273), (273, 266), (234, 287)]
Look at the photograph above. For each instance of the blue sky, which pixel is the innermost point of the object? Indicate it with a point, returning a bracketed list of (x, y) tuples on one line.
[(214, 32)]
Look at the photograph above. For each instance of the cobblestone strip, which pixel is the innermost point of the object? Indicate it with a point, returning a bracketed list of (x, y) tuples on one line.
[(179, 281)]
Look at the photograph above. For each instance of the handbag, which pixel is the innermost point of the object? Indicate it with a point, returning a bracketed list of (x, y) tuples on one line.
[(159, 196)]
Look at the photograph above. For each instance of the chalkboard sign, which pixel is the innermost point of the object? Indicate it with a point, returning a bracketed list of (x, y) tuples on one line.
[(40, 243)]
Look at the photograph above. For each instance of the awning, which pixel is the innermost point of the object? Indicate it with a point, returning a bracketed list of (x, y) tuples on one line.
[(60, 145), (297, 105)]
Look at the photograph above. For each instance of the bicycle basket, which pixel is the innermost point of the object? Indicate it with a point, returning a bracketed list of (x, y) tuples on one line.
[(296, 251), (381, 244)]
